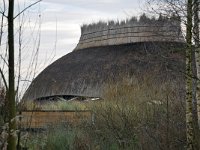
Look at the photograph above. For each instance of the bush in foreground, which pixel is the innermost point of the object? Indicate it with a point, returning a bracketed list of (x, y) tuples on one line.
[(137, 115), (133, 115)]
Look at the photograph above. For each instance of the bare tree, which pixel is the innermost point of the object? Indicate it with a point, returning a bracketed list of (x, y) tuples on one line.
[(197, 55), (189, 116), (187, 11), (9, 83)]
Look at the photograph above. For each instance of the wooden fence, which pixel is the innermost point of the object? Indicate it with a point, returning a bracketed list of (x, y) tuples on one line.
[(42, 119)]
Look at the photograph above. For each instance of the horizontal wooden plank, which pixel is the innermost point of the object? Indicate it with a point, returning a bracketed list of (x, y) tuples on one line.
[(42, 119)]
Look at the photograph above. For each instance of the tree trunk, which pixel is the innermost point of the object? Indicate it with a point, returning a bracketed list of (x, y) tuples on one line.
[(189, 117), (197, 54), (198, 84), (11, 87), (197, 75)]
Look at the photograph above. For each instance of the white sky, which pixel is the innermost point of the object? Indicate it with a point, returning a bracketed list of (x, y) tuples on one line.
[(68, 15), (61, 21)]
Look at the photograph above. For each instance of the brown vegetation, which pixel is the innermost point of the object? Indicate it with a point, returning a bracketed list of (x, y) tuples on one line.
[(42, 119), (141, 115)]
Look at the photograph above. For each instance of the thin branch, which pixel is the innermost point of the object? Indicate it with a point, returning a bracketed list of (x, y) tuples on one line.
[(26, 81), (4, 79), (19, 57), (2, 22), (3, 14), (3, 60), (4, 9), (26, 8)]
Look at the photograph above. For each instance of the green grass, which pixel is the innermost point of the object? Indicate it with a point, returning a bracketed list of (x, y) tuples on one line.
[(58, 137)]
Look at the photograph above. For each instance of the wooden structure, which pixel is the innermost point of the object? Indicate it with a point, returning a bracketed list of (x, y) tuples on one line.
[(43, 119)]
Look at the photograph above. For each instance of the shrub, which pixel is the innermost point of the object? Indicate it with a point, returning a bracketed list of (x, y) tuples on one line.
[(59, 137), (140, 115), (135, 114), (65, 137)]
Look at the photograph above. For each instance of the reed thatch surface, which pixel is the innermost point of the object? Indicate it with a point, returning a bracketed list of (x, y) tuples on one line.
[(85, 72)]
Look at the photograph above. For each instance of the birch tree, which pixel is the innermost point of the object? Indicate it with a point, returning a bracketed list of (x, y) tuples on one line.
[(197, 55), (8, 13), (11, 82), (189, 116), (187, 11)]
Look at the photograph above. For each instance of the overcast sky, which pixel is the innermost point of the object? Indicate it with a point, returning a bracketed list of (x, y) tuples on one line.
[(68, 15), (61, 21), (57, 23)]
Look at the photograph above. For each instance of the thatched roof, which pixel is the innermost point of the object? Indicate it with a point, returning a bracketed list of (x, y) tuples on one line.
[(85, 72), (172, 20), (131, 31)]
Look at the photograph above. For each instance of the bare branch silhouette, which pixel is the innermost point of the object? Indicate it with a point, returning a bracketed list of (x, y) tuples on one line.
[(26, 8)]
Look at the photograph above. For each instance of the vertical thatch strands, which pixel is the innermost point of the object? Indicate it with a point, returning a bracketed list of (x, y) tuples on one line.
[(189, 116), (143, 20), (130, 31)]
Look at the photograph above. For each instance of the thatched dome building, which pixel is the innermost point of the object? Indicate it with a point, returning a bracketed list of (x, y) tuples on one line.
[(108, 51)]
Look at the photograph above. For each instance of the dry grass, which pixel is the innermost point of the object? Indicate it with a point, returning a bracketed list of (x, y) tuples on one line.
[(140, 115), (135, 114), (57, 105)]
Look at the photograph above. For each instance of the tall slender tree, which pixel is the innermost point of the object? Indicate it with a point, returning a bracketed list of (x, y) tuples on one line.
[(11, 78), (189, 116), (197, 54), (187, 11), (8, 7)]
